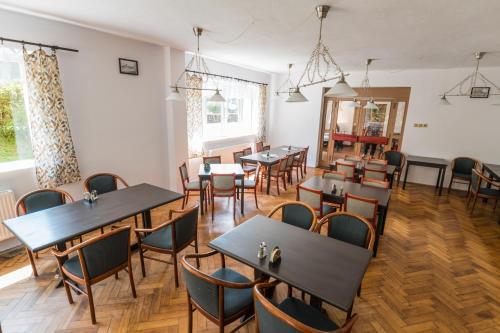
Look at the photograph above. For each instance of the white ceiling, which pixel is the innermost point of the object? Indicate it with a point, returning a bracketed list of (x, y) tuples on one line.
[(268, 34)]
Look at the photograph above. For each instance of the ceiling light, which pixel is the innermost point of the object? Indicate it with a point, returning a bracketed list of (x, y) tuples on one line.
[(296, 96), (370, 105), (443, 100), (341, 89), (287, 86), (175, 95), (217, 97), (353, 104)]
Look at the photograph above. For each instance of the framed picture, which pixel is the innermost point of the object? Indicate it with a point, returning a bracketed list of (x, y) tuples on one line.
[(480, 92), (128, 66)]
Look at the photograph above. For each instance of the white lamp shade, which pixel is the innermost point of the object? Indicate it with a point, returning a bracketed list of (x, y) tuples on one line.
[(353, 104), (175, 96), (370, 105), (217, 97), (296, 96), (341, 89)]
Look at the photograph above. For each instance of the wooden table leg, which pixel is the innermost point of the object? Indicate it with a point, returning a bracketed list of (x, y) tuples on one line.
[(146, 219), (406, 174), (202, 196), (438, 179), (268, 178), (242, 199), (442, 181), (386, 209), (380, 222)]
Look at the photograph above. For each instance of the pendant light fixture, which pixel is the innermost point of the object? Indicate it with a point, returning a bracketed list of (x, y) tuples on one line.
[(474, 85), (354, 103), (296, 96), (287, 87), (365, 84), (197, 66)]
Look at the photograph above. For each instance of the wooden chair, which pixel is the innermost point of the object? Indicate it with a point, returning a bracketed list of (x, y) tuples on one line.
[(250, 184), (314, 198), (104, 182), (212, 159), (397, 159), (490, 190), (267, 147), (364, 207), (96, 259), (191, 186), (298, 164), (39, 200), (289, 167), (461, 171), (278, 171), (247, 151), (247, 168), (292, 315), (170, 237), (350, 228), (375, 182), (223, 185), (222, 297), (304, 161), (296, 213), (259, 146), (348, 169), (331, 174), (380, 174)]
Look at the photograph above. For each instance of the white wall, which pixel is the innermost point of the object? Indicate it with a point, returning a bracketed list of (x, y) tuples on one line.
[(468, 127), (117, 121)]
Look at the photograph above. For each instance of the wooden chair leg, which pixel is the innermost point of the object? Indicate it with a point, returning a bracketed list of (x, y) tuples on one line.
[(451, 182), (32, 262), (187, 198), (141, 256), (176, 273), (278, 184), (190, 316), (116, 276), (196, 251), (131, 278), (135, 221), (359, 290), (284, 181), (255, 196), (234, 208), (102, 230), (68, 292), (91, 303), (473, 205), (213, 208), (301, 173)]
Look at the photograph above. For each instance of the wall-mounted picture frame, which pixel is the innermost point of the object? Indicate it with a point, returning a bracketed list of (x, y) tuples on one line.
[(128, 66), (480, 92)]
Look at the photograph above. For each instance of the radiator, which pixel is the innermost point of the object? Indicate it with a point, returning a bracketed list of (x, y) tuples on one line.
[(7, 207)]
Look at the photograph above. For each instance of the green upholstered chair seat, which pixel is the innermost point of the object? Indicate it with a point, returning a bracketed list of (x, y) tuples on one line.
[(307, 314), (42, 200), (249, 168), (463, 175), (195, 185), (72, 265), (327, 209), (249, 183), (161, 238), (489, 191), (235, 300)]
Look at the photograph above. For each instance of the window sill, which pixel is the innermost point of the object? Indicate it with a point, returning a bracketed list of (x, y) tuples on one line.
[(17, 165), (228, 142)]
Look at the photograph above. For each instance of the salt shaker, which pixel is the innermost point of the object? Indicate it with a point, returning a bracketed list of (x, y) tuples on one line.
[(262, 250)]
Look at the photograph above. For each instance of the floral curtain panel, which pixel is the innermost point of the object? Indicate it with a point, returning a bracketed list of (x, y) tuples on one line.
[(53, 150), (194, 116), (261, 128)]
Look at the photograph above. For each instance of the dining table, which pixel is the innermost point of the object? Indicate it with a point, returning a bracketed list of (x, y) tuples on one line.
[(429, 162), (493, 170), (360, 164), (325, 268), (382, 195), (216, 168), (268, 158)]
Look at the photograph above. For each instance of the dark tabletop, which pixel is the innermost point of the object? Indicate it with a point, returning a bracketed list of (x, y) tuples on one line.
[(48, 227), (329, 269), (326, 185), (422, 160), (221, 168), (275, 154), (493, 170), (363, 163)]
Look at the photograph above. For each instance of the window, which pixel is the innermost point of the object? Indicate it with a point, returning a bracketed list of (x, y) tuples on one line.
[(15, 142), (237, 116)]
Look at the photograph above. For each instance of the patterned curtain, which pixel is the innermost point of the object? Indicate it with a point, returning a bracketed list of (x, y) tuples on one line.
[(194, 116), (55, 158), (261, 130)]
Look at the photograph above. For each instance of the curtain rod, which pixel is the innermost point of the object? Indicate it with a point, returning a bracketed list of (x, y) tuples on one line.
[(225, 77), (53, 47)]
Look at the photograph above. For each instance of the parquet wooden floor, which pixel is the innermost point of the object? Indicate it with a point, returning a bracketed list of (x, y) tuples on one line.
[(437, 271)]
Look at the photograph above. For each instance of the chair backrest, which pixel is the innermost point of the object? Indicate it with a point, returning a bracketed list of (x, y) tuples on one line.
[(41, 199), (350, 228), (267, 147), (259, 146), (463, 165), (237, 155), (347, 168), (296, 213), (302, 157), (280, 166), (102, 254), (270, 319), (478, 179), (103, 183), (313, 198), (331, 174), (289, 161), (380, 174), (376, 161), (184, 174), (257, 174), (395, 158), (375, 182), (247, 151), (212, 160), (365, 207), (223, 184), (184, 227)]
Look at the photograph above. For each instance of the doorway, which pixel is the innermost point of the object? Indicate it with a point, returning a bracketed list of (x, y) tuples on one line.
[(348, 128)]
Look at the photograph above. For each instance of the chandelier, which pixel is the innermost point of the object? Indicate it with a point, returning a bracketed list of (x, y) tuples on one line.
[(474, 85), (198, 67), (321, 67)]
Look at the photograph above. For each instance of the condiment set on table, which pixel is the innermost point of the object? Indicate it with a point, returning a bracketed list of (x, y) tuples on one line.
[(275, 253), (90, 197)]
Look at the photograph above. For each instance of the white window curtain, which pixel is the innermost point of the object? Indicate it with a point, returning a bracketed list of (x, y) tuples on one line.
[(261, 121)]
